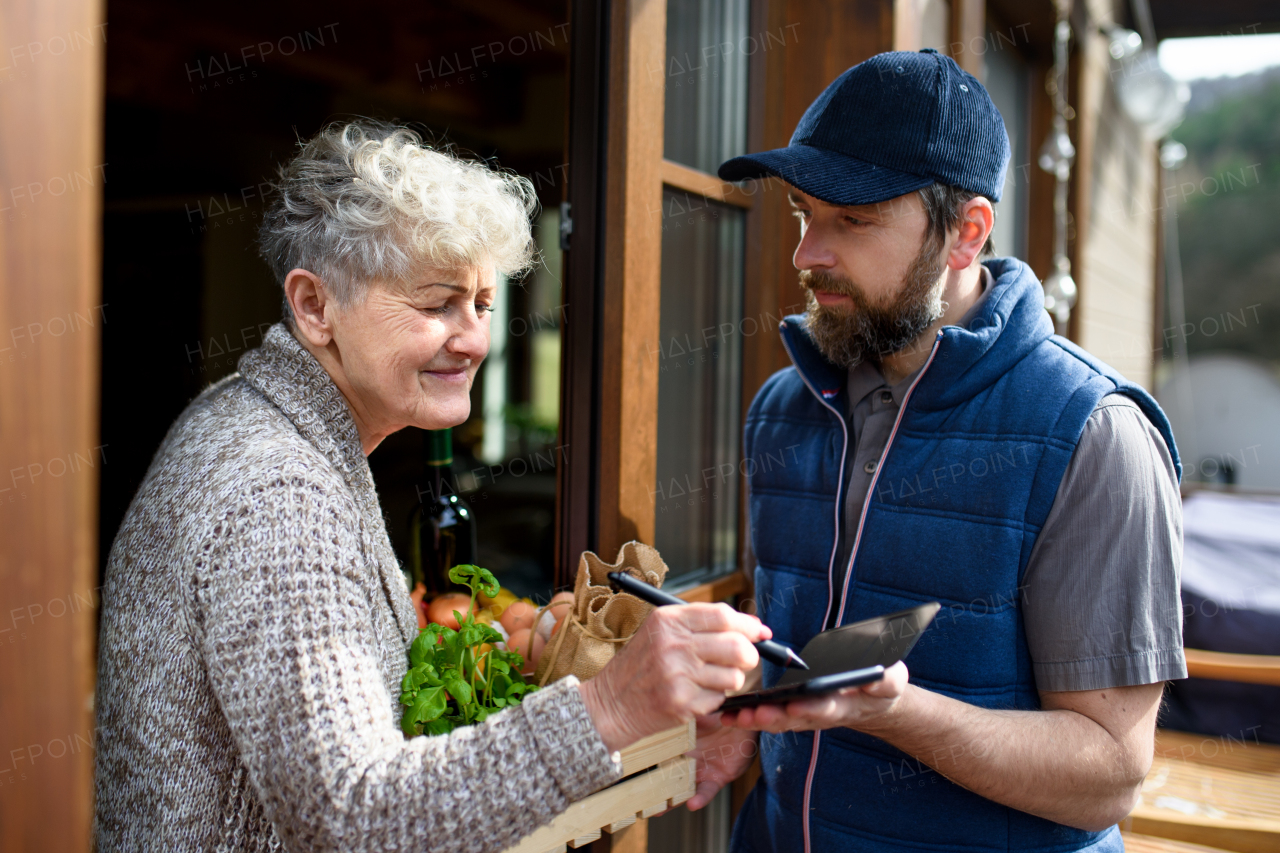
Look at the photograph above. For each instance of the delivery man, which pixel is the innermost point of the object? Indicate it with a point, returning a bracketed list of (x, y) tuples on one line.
[(950, 448)]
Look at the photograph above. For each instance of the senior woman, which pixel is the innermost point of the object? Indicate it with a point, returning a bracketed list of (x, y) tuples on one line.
[(256, 623)]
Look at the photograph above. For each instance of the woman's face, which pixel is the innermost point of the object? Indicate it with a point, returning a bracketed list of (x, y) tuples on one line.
[(409, 352)]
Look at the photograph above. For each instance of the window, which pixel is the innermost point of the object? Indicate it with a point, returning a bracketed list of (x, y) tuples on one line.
[(699, 387), (706, 83), (696, 497)]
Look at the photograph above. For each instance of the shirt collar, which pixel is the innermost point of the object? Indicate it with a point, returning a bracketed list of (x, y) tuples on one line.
[(865, 377)]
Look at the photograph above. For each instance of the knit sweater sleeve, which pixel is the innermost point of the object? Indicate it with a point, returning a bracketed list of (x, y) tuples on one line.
[(293, 656)]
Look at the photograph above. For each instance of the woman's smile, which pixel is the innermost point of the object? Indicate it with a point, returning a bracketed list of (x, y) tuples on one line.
[(457, 375)]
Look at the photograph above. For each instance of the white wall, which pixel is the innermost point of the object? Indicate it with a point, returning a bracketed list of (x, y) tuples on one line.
[(1225, 407)]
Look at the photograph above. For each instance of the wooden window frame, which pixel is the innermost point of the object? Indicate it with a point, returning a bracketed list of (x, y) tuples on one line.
[(617, 174), (609, 403), (51, 124)]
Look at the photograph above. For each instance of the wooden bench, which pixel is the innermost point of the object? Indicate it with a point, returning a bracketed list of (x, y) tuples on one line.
[(1221, 792), (1135, 843)]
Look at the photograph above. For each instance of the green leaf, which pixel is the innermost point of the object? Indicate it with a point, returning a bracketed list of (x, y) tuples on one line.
[(458, 689), (497, 665), (429, 705), (472, 634), (417, 676), (476, 578), (499, 701), (451, 653), (439, 727), (424, 646)]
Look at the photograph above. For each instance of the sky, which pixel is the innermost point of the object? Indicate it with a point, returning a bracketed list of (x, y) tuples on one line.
[(1219, 56)]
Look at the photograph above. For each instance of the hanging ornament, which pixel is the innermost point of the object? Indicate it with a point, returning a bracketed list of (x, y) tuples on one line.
[(1056, 156), (1057, 153), (1060, 292)]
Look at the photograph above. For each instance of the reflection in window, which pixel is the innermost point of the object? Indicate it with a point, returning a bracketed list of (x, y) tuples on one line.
[(699, 387), (505, 456), (706, 80)]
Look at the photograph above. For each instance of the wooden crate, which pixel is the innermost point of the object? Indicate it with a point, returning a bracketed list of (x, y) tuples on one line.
[(656, 777)]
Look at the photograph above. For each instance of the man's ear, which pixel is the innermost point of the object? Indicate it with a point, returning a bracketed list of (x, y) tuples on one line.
[(977, 218), (312, 306)]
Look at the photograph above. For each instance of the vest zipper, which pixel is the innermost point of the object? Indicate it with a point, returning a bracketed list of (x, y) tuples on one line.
[(844, 451), (884, 454), (853, 552)]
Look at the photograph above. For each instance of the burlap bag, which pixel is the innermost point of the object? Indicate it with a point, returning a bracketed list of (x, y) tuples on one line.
[(601, 620)]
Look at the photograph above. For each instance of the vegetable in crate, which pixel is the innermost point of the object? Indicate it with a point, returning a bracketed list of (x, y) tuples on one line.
[(457, 678)]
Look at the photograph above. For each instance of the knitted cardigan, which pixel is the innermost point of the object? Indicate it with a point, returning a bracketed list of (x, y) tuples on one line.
[(255, 630)]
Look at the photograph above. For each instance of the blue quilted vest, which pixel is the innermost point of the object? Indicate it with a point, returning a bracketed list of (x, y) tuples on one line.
[(966, 482)]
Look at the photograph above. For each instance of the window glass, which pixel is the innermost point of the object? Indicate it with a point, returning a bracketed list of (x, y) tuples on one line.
[(700, 355), (506, 455), (699, 387), (706, 82)]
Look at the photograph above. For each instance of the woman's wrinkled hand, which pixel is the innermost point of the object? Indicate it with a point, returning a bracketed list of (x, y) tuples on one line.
[(679, 665)]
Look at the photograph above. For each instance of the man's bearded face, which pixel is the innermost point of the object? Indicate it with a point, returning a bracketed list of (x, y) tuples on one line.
[(849, 334)]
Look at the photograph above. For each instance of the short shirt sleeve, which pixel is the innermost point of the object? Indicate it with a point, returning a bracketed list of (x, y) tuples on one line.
[(1100, 595)]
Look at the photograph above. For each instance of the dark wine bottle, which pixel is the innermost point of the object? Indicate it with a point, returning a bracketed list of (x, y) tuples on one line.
[(442, 528)]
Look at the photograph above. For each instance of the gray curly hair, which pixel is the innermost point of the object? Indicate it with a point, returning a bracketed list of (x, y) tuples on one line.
[(367, 201)]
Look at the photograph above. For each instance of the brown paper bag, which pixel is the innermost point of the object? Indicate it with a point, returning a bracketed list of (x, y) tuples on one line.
[(601, 620)]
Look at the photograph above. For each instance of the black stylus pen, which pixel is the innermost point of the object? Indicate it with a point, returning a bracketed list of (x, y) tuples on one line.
[(768, 649)]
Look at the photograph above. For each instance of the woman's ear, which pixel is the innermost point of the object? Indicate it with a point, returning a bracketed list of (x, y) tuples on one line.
[(977, 218), (311, 305)]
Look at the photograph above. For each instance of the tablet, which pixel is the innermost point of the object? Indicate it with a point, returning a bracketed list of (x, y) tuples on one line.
[(845, 657)]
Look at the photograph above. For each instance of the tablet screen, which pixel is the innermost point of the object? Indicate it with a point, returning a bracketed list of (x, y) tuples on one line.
[(882, 640), (846, 656)]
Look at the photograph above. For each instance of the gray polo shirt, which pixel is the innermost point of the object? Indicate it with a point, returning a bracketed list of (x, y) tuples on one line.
[(1100, 593)]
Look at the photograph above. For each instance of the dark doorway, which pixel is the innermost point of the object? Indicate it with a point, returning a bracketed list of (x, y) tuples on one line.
[(203, 102)]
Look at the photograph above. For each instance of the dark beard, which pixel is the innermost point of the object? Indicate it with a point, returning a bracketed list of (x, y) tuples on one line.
[(849, 335)]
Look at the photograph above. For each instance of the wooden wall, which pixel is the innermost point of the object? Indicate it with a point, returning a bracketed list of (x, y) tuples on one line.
[(823, 40), (1116, 219), (51, 175)]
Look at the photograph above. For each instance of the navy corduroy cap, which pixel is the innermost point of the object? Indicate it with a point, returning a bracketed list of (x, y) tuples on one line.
[(891, 125)]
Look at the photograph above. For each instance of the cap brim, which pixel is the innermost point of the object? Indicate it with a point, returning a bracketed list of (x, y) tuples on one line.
[(825, 175)]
